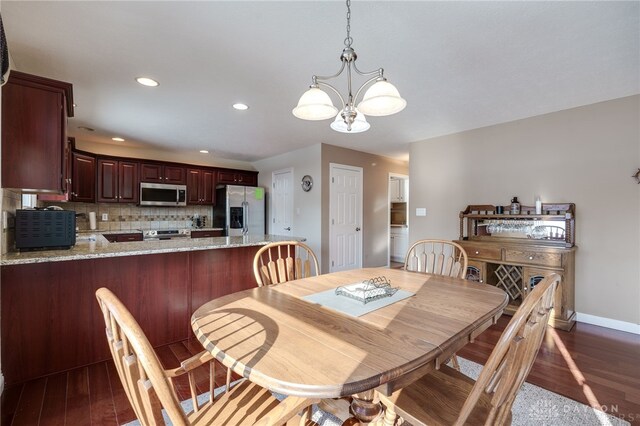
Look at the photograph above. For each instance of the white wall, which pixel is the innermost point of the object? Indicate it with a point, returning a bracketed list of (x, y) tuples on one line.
[(582, 155), (305, 161)]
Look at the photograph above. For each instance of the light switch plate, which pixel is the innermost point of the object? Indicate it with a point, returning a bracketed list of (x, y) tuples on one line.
[(421, 211), (105, 217)]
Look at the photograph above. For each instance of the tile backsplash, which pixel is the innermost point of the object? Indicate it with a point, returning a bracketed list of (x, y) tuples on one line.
[(127, 217)]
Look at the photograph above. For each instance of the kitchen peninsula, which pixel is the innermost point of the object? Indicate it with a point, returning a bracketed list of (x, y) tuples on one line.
[(52, 322)]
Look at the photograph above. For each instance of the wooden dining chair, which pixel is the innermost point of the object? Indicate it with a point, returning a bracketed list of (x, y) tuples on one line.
[(439, 257), (447, 397), (150, 389), (284, 261)]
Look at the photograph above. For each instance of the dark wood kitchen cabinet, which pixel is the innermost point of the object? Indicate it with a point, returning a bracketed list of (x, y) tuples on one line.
[(117, 181), (206, 234), (83, 178), (34, 132), (237, 177), (201, 186), (162, 173), (67, 164), (124, 237)]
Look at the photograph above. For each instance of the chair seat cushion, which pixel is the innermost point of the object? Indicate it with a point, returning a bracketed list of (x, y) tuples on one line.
[(437, 399)]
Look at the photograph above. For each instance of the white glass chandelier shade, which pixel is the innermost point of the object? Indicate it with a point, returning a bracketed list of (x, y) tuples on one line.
[(359, 124), (315, 104), (381, 99)]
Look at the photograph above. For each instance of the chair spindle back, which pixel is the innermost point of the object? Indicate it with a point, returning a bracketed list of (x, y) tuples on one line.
[(439, 257), (284, 261)]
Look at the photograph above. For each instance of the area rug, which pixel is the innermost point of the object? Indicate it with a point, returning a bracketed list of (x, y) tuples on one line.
[(534, 406)]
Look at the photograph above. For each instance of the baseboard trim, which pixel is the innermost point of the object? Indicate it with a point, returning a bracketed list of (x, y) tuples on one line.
[(629, 327)]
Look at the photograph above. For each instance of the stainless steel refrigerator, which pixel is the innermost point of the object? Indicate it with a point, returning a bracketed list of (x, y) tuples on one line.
[(239, 210)]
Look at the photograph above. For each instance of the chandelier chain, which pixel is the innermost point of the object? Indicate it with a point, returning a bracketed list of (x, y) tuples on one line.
[(348, 40)]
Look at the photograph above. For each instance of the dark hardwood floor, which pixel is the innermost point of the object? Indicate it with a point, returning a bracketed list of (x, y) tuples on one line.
[(594, 365), (92, 395)]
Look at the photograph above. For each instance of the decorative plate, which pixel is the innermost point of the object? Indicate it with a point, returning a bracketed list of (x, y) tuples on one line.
[(307, 183)]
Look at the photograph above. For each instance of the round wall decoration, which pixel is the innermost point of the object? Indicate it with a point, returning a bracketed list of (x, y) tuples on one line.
[(307, 183)]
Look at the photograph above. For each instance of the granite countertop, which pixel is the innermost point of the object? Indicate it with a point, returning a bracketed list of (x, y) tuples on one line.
[(94, 245)]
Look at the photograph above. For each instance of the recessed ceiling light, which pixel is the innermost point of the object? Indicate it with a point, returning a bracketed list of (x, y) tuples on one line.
[(117, 139), (241, 107), (88, 129), (204, 151), (146, 81)]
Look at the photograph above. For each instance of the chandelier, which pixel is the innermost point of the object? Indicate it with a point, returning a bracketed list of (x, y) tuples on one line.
[(380, 99)]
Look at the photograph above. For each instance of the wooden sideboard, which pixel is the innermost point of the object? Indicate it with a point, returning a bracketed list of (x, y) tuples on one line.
[(515, 252)]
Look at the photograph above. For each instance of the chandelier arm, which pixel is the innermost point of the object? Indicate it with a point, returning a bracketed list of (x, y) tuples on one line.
[(379, 72), (321, 83), (320, 77), (365, 84)]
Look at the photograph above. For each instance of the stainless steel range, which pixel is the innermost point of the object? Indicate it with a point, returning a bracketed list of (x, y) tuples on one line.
[(165, 234)]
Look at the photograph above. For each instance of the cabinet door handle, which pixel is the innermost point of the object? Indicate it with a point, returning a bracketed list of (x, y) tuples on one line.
[(288, 228), (530, 257), (477, 252), (357, 229)]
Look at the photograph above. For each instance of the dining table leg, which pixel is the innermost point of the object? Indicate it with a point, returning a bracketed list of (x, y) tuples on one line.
[(365, 409)]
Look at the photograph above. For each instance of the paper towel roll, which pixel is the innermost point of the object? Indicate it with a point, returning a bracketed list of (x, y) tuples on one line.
[(92, 220)]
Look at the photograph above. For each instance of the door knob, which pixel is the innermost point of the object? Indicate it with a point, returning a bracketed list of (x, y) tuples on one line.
[(357, 229), (288, 228)]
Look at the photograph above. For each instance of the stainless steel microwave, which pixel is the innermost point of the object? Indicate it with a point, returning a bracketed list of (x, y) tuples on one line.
[(160, 194)]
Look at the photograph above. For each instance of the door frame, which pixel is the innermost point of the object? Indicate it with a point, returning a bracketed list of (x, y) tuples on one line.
[(360, 170), (396, 175)]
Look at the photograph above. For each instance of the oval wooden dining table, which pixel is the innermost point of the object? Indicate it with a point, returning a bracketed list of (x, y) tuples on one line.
[(273, 337)]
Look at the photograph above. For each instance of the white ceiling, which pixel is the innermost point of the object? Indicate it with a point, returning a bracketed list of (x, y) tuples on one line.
[(459, 65)]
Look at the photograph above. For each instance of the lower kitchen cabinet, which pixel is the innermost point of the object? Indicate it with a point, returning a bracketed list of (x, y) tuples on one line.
[(124, 237), (206, 234), (398, 244)]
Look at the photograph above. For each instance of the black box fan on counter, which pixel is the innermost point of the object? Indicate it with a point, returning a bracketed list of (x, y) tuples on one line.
[(45, 229)]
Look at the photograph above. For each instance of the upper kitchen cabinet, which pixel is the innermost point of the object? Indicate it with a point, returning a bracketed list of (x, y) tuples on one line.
[(201, 186), (162, 173), (83, 178), (117, 181), (34, 132), (398, 190), (237, 177)]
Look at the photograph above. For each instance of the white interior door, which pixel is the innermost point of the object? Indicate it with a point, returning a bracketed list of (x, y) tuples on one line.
[(345, 205), (282, 202)]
